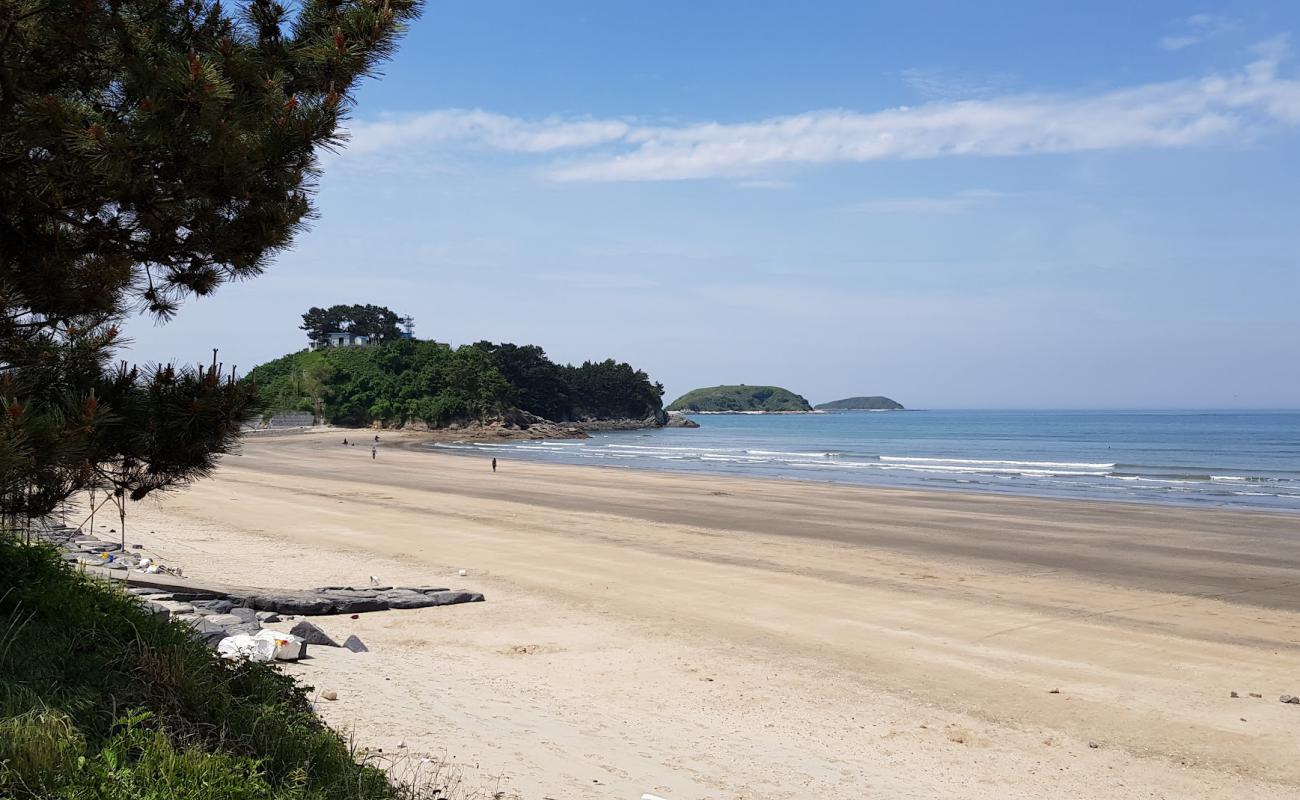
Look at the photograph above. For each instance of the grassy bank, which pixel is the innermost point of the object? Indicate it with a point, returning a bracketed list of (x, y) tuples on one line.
[(99, 699)]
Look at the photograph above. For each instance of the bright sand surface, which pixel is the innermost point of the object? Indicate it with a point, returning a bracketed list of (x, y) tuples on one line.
[(701, 637)]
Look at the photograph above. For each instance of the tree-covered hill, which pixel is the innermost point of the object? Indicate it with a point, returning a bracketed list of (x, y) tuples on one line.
[(416, 381), (740, 398), (874, 403)]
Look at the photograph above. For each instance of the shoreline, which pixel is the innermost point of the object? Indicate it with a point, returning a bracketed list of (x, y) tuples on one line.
[(1204, 505), (702, 637)]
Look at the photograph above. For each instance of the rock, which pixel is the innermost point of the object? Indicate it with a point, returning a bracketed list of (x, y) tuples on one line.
[(1286, 698), (175, 607), (355, 644), (249, 628), (427, 589), (248, 614), (311, 634), (140, 591), (453, 598), (157, 610), (329, 695), (208, 633), (213, 606), (405, 598), (1256, 694), (225, 620), (352, 604), (266, 616), (1233, 694), (1093, 745), (306, 604)]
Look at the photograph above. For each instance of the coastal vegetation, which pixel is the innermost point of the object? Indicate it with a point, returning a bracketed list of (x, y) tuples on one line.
[(873, 403), (100, 699), (740, 398), (425, 382)]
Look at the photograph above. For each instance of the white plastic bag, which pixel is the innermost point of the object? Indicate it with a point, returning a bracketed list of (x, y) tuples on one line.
[(265, 645)]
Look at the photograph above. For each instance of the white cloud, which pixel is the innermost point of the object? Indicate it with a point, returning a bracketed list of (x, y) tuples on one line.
[(495, 131), (1227, 108), (957, 203), (1196, 29), (1178, 42)]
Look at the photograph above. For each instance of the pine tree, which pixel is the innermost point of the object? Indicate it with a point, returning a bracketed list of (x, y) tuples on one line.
[(150, 151)]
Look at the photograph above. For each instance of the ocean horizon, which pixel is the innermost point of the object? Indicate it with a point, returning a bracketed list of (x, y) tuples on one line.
[(1233, 458)]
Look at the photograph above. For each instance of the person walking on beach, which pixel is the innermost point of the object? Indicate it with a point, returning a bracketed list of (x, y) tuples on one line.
[(373, 450), (494, 465)]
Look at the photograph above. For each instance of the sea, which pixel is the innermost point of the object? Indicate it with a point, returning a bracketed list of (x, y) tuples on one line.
[(1234, 459)]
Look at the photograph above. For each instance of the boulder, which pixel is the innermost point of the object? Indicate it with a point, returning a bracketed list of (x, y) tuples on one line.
[(250, 628), (266, 616), (355, 644), (213, 606), (157, 610), (225, 620), (454, 598), (311, 634), (306, 604), (407, 598), (248, 614), (208, 633), (355, 604)]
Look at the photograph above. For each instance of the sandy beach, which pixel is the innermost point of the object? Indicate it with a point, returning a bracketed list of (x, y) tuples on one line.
[(701, 637)]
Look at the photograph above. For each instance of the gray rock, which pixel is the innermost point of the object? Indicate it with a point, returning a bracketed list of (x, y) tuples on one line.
[(157, 610), (139, 591), (244, 627), (224, 620), (208, 633), (1286, 698), (355, 644), (428, 589), (345, 591), (213, 606), (99, 547), (248, 614), (306, 604), (404, 598), (311, 634), (349, 604), (454, 598), (175, 607), (267, 616)]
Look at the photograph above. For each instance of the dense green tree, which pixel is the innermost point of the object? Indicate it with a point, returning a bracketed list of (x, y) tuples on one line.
[(537, 385), (377, 322), (408, 381), (150, 151)]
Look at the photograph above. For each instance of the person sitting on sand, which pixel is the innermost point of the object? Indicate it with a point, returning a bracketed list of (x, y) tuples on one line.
[(345, 442)]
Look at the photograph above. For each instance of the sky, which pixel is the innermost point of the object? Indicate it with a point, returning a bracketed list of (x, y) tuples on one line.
[(959, 205)]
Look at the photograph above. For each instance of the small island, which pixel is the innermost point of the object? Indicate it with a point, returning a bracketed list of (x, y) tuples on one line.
[(740, 399), (875, 403)]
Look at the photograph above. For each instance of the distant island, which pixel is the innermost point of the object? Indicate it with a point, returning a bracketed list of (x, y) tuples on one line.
[(876, 403), (740, 398)]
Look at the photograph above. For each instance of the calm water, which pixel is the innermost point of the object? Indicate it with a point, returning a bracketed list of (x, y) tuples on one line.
[(1238, 459)]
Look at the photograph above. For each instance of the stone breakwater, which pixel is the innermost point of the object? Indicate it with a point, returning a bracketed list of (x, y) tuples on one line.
[(214, 611)]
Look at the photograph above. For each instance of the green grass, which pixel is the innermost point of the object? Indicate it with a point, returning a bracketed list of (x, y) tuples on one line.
[(99, 699)]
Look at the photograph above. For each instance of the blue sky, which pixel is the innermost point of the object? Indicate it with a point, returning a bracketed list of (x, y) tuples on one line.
[(962, 205)]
